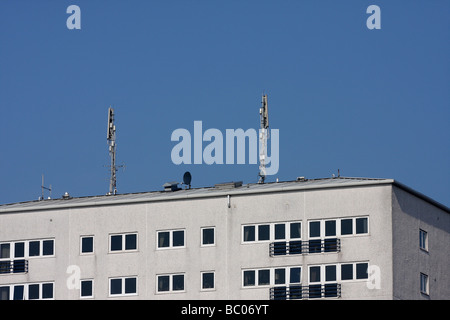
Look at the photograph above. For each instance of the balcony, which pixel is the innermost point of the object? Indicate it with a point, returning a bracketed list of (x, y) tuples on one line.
[(297, 292), (14, 266), (281, 248)]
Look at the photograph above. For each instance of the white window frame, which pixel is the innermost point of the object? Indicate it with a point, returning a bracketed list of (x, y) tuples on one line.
[(26, 290), (171, 246), (123, 294), (201, 237), (92, 295), (338, 227), (424, 284), (123, 235), (287, 280), (201, 281), (287, 231), (26, 251), (93, 245), (171, 275), (423, 237)]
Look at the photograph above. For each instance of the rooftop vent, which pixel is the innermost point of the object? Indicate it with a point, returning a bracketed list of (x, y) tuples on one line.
[(301, 179), (228, 185), (171, 186), (66, 196)]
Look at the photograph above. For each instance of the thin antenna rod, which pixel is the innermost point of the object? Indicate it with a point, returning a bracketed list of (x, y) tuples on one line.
[(263, 137), (42, 189), (111, 138)]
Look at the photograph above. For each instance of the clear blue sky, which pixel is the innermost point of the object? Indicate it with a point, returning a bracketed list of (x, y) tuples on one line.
[(372, 103)]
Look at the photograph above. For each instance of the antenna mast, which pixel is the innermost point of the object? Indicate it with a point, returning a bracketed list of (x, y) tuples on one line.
[(111, 137), (42, 189), (263, 137)]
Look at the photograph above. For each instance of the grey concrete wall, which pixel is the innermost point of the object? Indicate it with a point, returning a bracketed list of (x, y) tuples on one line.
[(410, 214)]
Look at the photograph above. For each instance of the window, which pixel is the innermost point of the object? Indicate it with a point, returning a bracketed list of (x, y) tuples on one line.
[(249, 233), (424, 289), (87, 244), (271, 232), (34, 248), (170, 283), (268, 277), (423, 240), (208, 236), (314, 229), (208, 280), (170, 239), (263, 232), (362, 225), (123, 286), (347, 272), (346, 226), (87, 288), (330, 228), (26, 249), (123, 242), (354, 271), (28, 291)]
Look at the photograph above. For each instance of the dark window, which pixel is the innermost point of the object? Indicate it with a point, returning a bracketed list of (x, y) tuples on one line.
[(131, 241), (178, 282), (314, 274), (346, 272), (208, 280), (314, 229), (294, 275), (163, 239), (330, 273), (130, 285), (263, 277), (361, 270), (116, 243), (34, 248), (163, 283), (47, 247), (208, 236), (86, 288), (47, 291), (87, 244), (178, 238), (19, 250), (116, 286), (18, 292), (249, 233), (331, 290), (295, 247), (280, 231), (346, 226), (263, 232), (4, 293), (295, 230), (330, 228), (19, 266), (4, 250), (249, 278), (315, 291), (33, 291), (280, 276), (361, 225)]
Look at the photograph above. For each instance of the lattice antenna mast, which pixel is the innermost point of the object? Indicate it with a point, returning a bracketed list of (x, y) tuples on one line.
[(263, 137), (111, 137)]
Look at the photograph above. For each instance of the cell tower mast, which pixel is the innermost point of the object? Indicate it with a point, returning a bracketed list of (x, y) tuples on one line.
[(263, 137), (111, 137)]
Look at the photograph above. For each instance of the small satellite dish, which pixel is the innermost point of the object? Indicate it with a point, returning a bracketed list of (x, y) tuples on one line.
[(187, 179)]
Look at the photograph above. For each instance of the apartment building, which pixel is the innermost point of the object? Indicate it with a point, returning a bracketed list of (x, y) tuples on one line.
[(333, 238)]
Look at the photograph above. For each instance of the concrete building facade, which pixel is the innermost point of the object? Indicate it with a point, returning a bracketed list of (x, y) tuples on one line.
[(334, 238)]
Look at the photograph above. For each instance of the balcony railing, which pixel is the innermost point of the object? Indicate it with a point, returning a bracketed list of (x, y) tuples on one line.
[(281, 248), (14, 266), (297, 292)]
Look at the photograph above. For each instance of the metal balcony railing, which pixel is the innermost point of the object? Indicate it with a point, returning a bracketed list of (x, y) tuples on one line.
[(14, 266), (298, 292), (280, 248)]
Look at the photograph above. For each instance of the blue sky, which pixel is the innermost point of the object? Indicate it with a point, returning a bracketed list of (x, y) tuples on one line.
[(372, 103)]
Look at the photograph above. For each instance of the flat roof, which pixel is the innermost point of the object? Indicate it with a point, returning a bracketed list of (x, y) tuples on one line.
[(218, 190)]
